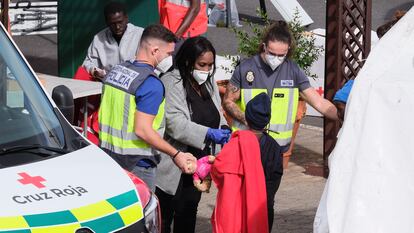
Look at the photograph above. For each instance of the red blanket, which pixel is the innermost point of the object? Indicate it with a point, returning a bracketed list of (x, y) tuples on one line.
[(241, 198), (93, 108)]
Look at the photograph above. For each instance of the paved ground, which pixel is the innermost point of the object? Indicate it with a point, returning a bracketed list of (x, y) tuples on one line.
[(298, 195)]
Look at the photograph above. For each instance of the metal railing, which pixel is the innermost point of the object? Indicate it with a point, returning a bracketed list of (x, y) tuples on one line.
[(36, 16)]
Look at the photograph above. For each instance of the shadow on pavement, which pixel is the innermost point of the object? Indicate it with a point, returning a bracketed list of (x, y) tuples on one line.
[(311, 161), (40, 51), (250, 18), (285, 222), (203, 225), (294, 221), (43, 65)]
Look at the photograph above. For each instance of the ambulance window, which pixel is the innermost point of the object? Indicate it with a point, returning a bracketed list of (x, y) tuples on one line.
[(26, 115)]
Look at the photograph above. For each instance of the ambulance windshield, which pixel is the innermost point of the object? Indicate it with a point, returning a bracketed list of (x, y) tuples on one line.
[(26, 115)]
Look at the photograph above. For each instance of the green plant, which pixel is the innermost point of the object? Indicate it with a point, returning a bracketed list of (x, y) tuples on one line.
[(249, 42), (306, 51)]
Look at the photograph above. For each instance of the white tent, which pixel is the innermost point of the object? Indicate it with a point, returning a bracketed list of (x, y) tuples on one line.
[(287, 9), (370, 188)]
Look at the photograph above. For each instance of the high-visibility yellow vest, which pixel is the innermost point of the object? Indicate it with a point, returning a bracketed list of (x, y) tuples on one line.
[(284, 104), (284, 99), (173, 12), (117, 111)]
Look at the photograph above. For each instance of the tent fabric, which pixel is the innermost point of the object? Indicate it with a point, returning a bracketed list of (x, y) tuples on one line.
[(370, 188)]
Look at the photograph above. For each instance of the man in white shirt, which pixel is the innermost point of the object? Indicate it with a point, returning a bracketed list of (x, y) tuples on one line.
[(115, 44)]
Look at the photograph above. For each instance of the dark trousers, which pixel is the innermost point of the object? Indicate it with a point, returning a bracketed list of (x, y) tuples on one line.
[(271, 188), (181, 207)]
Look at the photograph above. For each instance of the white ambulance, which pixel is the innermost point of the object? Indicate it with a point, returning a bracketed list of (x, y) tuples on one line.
[(51, 178)]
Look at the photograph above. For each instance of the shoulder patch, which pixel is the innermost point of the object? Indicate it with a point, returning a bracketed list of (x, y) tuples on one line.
[(121, 76)]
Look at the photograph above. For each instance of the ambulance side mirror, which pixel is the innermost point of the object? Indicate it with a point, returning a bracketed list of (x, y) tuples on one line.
[(63, 98)]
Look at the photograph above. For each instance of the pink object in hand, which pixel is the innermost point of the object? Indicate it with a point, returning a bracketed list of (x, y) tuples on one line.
[(203, 169), (221, 6)]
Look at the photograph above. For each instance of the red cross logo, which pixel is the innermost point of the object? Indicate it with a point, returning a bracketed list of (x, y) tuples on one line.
[(34, 180), (320, 91)]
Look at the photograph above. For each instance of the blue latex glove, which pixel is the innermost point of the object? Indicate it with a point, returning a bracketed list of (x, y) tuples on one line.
[(219, 136), (342, 94)]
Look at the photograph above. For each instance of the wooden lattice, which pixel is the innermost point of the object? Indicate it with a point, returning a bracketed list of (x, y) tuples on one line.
[(356, 40), (4, 12), (348, 42)]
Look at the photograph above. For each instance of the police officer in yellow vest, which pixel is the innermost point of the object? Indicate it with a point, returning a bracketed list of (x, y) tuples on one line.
[(132, 109), (271, 71)]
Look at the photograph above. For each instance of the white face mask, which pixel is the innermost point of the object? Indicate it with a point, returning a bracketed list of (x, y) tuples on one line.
[(274, 61), (201, 76), (165, 64)]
